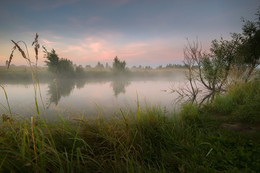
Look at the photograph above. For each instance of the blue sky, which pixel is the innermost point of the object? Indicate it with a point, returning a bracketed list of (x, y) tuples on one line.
[(146, 32)]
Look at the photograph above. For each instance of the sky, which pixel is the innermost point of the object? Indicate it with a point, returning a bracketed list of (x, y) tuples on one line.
[(141, 32)]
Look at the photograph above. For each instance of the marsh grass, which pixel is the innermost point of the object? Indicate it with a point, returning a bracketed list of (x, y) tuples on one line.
[(148, 141), (242, 102), (7, 101)]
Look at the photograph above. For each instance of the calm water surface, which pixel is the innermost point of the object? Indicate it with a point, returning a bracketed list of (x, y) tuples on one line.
[(91, 98)]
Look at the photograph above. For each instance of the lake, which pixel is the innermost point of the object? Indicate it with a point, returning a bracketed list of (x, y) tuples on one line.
[(92, 98)]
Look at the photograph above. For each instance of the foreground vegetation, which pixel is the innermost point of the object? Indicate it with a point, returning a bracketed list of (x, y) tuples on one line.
[(219, 137)]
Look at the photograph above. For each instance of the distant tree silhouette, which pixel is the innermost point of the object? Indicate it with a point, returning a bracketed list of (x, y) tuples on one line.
[(107, 66), (52, 60), (88, 66), (62, 67), (119, 66), (99, 66), (65, 67), (79, 70)]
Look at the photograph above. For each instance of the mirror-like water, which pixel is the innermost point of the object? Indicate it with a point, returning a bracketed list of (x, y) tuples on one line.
[(91, 98)]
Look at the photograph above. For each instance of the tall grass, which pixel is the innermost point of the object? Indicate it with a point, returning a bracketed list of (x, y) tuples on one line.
[(148, 141), (26, 56), (7, 101), (242, 101)]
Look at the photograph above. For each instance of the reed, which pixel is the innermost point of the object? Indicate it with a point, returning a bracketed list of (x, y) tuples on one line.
[(7, 101), (26, 56)]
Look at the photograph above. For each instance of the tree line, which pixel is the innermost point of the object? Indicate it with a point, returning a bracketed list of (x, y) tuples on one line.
[(64, 67)]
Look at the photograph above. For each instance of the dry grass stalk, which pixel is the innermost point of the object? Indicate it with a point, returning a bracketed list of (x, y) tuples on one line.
[(35, 78), (36, 46), (21, 50), (11, 56)]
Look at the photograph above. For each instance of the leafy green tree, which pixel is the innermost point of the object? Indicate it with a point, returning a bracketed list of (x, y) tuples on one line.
[(119, 66), (65, 67), (62, 67), (52, 60), (79, 70), (249, 50), (216, 65)]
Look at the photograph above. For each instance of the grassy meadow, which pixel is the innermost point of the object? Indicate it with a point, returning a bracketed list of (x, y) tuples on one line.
[(222, 136)]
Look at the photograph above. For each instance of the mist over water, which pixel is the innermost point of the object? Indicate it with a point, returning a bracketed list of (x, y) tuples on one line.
[(91, 98)]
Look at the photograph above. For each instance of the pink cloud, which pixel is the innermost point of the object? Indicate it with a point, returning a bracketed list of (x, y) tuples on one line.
[(95, 46), (48, 42), (104, 48), (132, 54), (57, 37), (136, 45), (90, 49), (94, 49), (74, 48), (89, 39)]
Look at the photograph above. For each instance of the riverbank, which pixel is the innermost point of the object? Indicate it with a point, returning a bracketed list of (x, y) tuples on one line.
[(222, 136), (24, 73)]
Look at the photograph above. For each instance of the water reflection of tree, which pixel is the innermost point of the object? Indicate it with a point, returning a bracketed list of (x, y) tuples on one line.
[(80, 83), (119, 86), (62, 88), (185, 95)]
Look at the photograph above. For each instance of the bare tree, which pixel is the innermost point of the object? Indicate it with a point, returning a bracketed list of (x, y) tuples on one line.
[(207, 72), (192, 54)]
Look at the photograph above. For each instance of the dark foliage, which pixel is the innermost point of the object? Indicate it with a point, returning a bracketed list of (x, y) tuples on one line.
[(59, 66), (119, 66)]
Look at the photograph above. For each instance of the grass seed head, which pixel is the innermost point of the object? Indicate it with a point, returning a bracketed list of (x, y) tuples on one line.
[(11, 56), (20, 50), (36, 46)]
